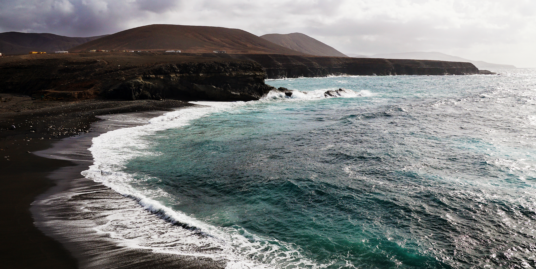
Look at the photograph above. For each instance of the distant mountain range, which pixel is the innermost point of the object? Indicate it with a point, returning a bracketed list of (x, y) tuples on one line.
[(442, 57), (202, 39), (193, 39), (22, 43), (303, 43)]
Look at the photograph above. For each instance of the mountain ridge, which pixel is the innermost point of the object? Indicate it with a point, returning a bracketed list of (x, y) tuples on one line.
[(191, 39), (303, 43), (22, 43)]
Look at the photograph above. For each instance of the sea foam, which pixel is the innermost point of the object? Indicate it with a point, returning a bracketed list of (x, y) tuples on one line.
[(239, 248), (316, 94)]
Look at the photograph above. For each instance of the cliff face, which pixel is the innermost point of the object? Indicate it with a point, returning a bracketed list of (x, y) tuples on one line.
[(134, 77), (280, 66), (216, 77), (194, 81)]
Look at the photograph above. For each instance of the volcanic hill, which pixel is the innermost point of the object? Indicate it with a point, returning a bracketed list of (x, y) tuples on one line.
[(22, 43), (189, 39), (303, 43)]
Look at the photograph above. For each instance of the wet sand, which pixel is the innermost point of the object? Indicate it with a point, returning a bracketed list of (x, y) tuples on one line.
[(23, 178), (27, 176)]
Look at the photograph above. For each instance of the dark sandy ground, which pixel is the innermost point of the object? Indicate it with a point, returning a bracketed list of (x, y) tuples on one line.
[(27, 126)]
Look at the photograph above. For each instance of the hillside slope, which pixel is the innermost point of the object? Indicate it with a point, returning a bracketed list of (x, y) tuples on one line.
[(191, 39), (22, 43), (303, 43), (438, 56)]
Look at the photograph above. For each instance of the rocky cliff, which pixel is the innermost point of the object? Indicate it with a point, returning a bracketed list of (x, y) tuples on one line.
[(291, 66), (133, 77), (216, 77)]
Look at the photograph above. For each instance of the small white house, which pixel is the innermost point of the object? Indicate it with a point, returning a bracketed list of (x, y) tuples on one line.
[(220, 51), (61, 52), (173, 51)]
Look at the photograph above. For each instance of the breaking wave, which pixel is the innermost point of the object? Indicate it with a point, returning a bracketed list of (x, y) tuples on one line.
[(239, 248), (316, 94)]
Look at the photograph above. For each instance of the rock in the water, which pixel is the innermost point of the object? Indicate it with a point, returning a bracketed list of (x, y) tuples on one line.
[(286, 91), (486, 72), (334, 93)]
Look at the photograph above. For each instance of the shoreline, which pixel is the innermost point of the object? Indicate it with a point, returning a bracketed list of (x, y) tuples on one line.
[(63, 209), (26, 175)]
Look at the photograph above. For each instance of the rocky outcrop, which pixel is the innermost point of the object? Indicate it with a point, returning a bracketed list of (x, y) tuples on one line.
[(291, 66), (135, 77), (486, 72), (335, 93), (213, 81), (327, 94), (215, 77)]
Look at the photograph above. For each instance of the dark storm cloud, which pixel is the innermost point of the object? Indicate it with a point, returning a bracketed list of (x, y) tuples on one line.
[(77, 17), (157, 6)]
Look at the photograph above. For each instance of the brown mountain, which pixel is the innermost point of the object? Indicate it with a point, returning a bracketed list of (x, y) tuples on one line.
[(192, 39), (22, 43), (303, 43)]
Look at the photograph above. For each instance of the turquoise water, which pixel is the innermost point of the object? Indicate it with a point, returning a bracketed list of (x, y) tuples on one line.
[(408, 172)]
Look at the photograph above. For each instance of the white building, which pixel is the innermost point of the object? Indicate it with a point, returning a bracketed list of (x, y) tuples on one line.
[(173, 51), (0, 54), (61, 52)]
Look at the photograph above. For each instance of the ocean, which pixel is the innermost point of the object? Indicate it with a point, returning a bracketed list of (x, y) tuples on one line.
[(398, 172)]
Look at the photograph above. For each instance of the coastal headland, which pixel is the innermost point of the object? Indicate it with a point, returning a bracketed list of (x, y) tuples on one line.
[(215, 77)]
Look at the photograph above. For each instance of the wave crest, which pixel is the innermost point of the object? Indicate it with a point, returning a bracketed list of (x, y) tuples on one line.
[(282, 93)]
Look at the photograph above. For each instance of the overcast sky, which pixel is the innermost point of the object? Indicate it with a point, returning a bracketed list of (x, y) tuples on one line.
[(497, 31)]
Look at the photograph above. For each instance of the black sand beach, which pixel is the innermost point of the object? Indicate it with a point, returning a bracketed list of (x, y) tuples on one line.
[(27, 177)]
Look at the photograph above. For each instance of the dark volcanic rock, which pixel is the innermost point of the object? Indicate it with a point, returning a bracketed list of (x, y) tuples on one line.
[(292, 66), (216, 77), (486, 72), (286, 91), (133, 77), (206, 81), (334, 93)]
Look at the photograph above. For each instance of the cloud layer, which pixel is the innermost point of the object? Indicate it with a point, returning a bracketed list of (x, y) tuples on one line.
[(498, 31)]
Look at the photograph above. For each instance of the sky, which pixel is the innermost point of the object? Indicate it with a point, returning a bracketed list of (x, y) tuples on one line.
[(496, 31)]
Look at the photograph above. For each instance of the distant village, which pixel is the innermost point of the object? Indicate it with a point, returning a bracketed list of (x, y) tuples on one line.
[(126, 51)]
